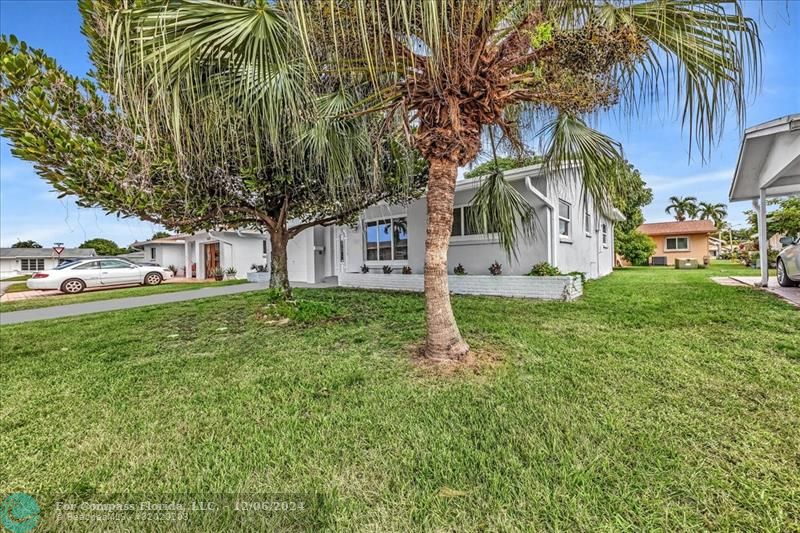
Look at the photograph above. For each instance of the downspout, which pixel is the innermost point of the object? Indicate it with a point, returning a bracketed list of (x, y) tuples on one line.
[(761, 208), (551, 241)]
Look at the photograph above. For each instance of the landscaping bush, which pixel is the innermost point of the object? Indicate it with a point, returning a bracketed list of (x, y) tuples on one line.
[(364, 269), (459, 270), (636, 247), (387, 269), (495, 269), (406, 269), (544, 269)]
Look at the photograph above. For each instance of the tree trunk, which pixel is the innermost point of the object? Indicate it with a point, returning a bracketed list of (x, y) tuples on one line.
[(279, 262), (443, 340)]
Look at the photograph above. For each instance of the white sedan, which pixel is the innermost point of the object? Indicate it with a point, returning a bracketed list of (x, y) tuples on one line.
[(75, 276)]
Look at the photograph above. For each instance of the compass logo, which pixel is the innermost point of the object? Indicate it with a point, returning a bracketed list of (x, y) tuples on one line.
[(20, 512)]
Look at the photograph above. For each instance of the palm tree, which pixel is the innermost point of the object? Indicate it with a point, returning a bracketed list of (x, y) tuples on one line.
[(682, 207), (715, 212), (451, 72)]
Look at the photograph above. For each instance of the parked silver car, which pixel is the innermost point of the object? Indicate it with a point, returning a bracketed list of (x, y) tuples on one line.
[(789, 262), (74, 276)]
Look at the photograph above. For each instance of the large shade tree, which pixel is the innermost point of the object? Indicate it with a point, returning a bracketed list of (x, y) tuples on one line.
[(448, 72), (200, 162)]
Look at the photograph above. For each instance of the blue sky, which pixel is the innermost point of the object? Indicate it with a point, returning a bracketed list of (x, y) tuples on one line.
[(653, 142)]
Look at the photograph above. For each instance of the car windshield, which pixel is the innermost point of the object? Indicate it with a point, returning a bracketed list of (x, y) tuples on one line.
[(65, 264)]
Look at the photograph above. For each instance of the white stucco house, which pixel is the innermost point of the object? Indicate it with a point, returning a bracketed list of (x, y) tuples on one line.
[(20, 261), (571, 233)]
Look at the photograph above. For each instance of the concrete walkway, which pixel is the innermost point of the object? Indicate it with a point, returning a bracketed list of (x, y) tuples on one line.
[(101, 306), (790, 294)]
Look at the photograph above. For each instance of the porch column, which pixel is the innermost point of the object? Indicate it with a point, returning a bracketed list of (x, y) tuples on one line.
[(199, 272), (762, 237), (187, 260)]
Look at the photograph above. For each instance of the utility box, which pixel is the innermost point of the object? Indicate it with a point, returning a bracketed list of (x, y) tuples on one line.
[(686, 264)]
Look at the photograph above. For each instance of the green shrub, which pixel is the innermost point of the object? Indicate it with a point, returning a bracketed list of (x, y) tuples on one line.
[(636, 247), (544, 269), (459, 270)]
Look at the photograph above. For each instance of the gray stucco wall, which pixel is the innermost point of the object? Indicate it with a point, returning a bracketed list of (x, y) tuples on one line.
[(580, 253)]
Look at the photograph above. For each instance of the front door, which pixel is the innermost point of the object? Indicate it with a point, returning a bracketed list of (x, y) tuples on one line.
[(212, 258)]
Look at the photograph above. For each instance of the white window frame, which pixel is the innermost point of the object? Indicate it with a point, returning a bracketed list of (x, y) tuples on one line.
[(456, 240), (676, 237), (604, 234), (25, 264), (568, 219), (587, 219), (392, 261)]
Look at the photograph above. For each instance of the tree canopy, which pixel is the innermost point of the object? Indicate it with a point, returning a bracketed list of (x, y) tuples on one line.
[(26, 244), (103, 246)]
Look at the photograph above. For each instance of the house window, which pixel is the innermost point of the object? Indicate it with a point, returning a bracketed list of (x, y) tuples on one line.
[(564, 219), (677, 244), (387, 239), (604, 228), (587, 219), (462, 223), (32, 265), (152, 252)]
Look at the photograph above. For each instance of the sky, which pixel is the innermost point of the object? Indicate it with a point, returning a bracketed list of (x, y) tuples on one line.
[(653, 141)]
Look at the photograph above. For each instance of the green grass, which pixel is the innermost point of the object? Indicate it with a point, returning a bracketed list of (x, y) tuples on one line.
[(17, 287), (106, 294), (659, 401), (17, 278)]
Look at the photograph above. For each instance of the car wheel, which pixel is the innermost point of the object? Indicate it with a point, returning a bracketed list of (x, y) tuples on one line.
[(73, 286), (783, 276), (153, 278)]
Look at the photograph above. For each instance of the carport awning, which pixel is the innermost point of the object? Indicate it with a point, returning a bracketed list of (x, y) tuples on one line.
[(769, 159)]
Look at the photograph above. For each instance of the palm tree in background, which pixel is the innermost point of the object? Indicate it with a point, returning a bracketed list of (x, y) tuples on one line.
[(451, 74), (715, 212), (682, 207)]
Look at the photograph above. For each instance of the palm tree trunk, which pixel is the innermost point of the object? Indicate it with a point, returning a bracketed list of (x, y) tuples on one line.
[(279, 261), (443, 340)]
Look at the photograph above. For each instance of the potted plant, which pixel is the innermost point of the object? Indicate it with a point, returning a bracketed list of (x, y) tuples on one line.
[(387, 269), (495, 269), (364, 269), (230, 273), (219, 274), (459, 270), (406, 269), (258, 274)]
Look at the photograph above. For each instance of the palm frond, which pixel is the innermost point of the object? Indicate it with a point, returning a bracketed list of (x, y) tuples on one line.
[(569, 140), (498, 207)]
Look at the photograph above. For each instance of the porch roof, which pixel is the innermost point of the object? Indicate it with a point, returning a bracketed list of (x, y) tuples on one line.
[(769, 159)]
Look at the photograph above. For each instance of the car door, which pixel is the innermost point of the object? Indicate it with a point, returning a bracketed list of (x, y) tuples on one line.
[(88, 272), (791, 258), (116, 272)]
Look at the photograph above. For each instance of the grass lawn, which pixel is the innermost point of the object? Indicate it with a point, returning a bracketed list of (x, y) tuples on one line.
[(17, 287), (105, 294), (659, 401), (17, 278)]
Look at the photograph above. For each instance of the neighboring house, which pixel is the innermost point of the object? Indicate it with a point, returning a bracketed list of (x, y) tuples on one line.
[(570, 233), (715, 246), (688, 239), (165, 251), (19, 261)]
